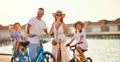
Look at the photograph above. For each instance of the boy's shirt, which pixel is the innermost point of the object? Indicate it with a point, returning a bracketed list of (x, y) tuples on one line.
[(17, 35)]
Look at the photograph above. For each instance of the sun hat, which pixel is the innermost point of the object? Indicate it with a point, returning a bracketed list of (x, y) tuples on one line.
[(79, 22), (58, 12)]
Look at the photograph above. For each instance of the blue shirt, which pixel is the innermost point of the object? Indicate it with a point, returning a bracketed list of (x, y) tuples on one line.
[(17, 35)]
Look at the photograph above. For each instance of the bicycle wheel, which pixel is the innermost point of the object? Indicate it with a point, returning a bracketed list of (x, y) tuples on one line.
[(89, 59), (74, 60), (48, 57), (13, 59), (59, 56)]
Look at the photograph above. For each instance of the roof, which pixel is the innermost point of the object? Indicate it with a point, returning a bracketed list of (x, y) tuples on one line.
[(117, 21), (3, 27), (101, 22)]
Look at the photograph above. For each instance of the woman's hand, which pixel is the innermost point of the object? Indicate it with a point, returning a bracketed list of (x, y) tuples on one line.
[(18, 35), (68, 44)]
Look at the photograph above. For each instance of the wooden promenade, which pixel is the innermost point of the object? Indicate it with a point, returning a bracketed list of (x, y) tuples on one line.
[(5, 57)]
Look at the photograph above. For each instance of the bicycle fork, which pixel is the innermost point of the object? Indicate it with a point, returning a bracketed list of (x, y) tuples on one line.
[(58, 56)]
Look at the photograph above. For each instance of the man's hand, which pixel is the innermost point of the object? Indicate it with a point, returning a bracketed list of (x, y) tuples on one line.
[(31, 35)]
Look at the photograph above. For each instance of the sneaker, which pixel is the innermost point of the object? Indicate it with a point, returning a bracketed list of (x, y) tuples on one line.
[(24, 58)]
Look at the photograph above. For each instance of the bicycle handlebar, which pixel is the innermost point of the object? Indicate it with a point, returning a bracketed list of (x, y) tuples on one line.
[(73, 46), (43, 38)]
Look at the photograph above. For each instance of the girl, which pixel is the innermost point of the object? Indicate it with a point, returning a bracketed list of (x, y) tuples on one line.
[(79, 37)]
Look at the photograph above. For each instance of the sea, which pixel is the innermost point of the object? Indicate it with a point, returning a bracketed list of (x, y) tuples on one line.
[(100, 50)]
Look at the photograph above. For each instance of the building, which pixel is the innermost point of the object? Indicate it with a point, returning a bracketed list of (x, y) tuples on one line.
[(102, 29)]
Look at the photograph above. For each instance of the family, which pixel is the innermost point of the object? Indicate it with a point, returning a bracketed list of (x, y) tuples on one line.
[(36, 26)]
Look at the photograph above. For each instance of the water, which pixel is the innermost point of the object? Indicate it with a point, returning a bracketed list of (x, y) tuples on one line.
[(100, 50), (104, 50)]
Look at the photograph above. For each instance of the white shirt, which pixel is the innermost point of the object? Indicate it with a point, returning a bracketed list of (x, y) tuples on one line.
[(37, 28), (78, 36)]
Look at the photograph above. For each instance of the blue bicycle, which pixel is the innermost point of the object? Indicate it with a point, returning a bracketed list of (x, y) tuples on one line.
[(23, 56), (42, 56)]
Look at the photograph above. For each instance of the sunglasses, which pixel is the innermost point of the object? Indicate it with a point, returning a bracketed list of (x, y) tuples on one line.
[(58, 15)]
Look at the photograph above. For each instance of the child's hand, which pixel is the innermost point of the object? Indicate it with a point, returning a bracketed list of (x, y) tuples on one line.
[(19, 35)]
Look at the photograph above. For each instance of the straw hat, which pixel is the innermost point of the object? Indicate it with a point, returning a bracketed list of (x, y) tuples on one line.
[(79, 22), (58, 12)]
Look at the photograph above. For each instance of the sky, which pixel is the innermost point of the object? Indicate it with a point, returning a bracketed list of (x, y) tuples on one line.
[(12, 11)]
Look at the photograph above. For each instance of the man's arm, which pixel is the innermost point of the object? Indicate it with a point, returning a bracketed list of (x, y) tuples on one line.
[(28, 30), (45, 30)]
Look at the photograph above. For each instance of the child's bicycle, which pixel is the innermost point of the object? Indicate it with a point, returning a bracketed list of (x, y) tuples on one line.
[(76, 57), (42, 56), (23, 53)]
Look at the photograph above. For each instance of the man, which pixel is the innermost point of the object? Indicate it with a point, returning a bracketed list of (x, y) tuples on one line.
[(35, 26)]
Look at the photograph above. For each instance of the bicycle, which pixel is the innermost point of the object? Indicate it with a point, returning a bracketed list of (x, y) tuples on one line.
[(58, 55), (23, 56), (76, 57), (42, 56)]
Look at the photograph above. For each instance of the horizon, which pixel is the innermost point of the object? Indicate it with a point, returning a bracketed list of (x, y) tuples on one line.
[(72, 23), (66, 23), (22, 10)]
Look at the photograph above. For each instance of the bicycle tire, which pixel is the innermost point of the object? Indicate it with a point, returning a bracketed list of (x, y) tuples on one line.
[(59, 56), (73, 60), (48, 57), (13, 59), (20, 60), (89, 59)]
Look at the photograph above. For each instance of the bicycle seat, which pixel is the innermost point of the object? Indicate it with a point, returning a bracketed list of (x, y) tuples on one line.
[(84, 50), (24, 44)]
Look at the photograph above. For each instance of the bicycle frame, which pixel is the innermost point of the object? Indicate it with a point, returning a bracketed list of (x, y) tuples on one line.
[(60, 36), (40, 52), (58, 52), (76, 58), (20, 56)]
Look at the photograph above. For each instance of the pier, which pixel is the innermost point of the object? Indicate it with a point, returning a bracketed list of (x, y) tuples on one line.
[(103, 35)]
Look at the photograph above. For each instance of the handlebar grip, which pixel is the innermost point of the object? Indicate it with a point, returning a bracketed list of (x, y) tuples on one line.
[(33, 35), (79, 42)]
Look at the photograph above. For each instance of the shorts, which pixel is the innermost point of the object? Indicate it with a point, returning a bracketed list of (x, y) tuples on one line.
[(84, 46)]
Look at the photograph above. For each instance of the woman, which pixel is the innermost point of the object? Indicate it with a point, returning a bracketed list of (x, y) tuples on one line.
[(58, 28)]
